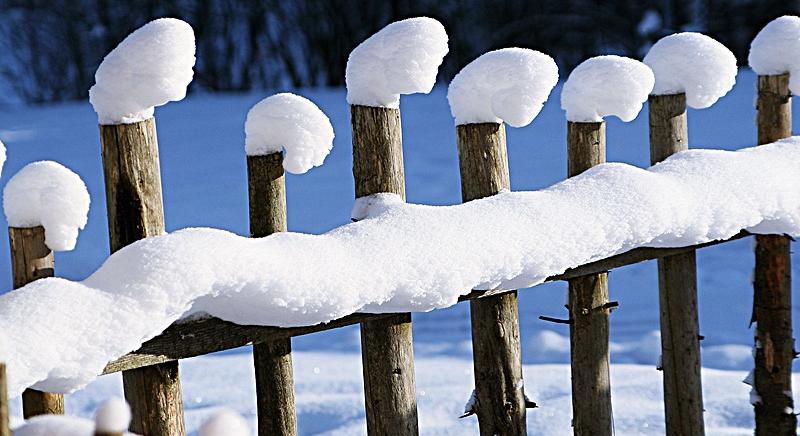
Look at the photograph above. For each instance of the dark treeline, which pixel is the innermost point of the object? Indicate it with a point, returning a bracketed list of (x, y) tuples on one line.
[(50, 49)]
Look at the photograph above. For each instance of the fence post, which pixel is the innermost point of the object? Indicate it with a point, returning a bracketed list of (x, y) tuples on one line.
[(588, 307), (273, 360), (5, 429), (677, 289), (386, 344), (772, 296), (31, 260), (500, 404), (136, 211)]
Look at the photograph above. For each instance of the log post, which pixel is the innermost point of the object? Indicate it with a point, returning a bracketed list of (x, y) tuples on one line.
[(677, 289), (386, 343), (772, 296), (273, 360), (588, 310), (5, 429), (136, 211), (31, 260), (500, 399)]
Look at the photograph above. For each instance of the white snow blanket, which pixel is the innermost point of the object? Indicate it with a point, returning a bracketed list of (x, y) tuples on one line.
[(57, 335)]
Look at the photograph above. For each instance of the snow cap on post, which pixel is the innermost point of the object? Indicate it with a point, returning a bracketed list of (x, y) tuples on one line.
[(112, 417), (507, 85), (150, 67), (225, 423), (694, 64), (293, 123), (48, 194), (606, 85), (402, 58), (776, 50)]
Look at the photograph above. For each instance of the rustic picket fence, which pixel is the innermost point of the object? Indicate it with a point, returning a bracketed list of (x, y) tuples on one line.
[(151, 377)]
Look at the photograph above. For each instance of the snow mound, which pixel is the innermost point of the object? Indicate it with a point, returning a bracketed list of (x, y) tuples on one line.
[(225, 423), (113, 416), (59, 425), (606, 85), (776, 50), (399, 258), (508, 85), (694, 64), (402, 58), (293, 123), (151, 67), (48, 194)]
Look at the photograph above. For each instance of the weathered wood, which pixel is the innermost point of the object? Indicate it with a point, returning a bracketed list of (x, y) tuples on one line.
[(772, 296), (677, 289), (135, 211), (272, 359), (5, 429), (386, 343), (31, 260), (591, 390), (497, 359)]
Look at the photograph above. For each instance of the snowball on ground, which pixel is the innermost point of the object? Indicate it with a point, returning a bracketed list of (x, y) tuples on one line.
[(113, 416), (399, 258), (606, 85), (776, 50), (48, 194), (293, 123), (225, 423), (508, 85), (402, 58), (694, 64), (151, 67)]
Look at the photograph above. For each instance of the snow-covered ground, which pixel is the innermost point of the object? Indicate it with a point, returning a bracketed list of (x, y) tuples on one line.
[(203, 166)]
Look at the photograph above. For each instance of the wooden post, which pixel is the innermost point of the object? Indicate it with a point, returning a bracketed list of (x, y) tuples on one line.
[(386, 343), (500, 399), (5, 429), (772, 296), (31, 260), (273, 360), (677, 289), (588, 309), (136, 211)]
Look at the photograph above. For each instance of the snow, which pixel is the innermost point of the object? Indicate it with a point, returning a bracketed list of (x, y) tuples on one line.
[(113, 416), (2, 156), (292, 123), (225, 423), (507, 85), (48, 194), (402, 58), (60, 425), (606, 86), (399, 258), (776, 50), (694, 64), (151, 67)]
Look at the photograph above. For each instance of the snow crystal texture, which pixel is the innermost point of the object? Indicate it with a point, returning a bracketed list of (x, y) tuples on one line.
[(151, 67), (776, 50), (694, 64), (508, 85), (292, 123), (402, 58), (398, 258), (225, 423), (606, 85), (113, 416), (48, 194)]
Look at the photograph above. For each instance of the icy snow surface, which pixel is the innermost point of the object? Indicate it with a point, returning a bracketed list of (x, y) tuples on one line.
[(692, 63), (113, 416), (776, 50), (606, 85), (507, 85), (402, 58), (292, 123), (401, 257), (151, 67), (48, 194), (225, 423)]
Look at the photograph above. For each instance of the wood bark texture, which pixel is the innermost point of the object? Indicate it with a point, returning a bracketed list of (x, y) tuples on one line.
[(677, 289), (136, 211), (772, 296), (5, 429), (272, 359), (591, 389), (386, 343), (497, 359)]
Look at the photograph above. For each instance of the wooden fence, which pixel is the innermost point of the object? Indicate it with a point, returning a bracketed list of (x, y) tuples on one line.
[(151, 376)]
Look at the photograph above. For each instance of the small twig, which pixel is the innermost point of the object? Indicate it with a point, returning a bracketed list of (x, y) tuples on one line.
[(701, 337), (470, 413), (555, 320)]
